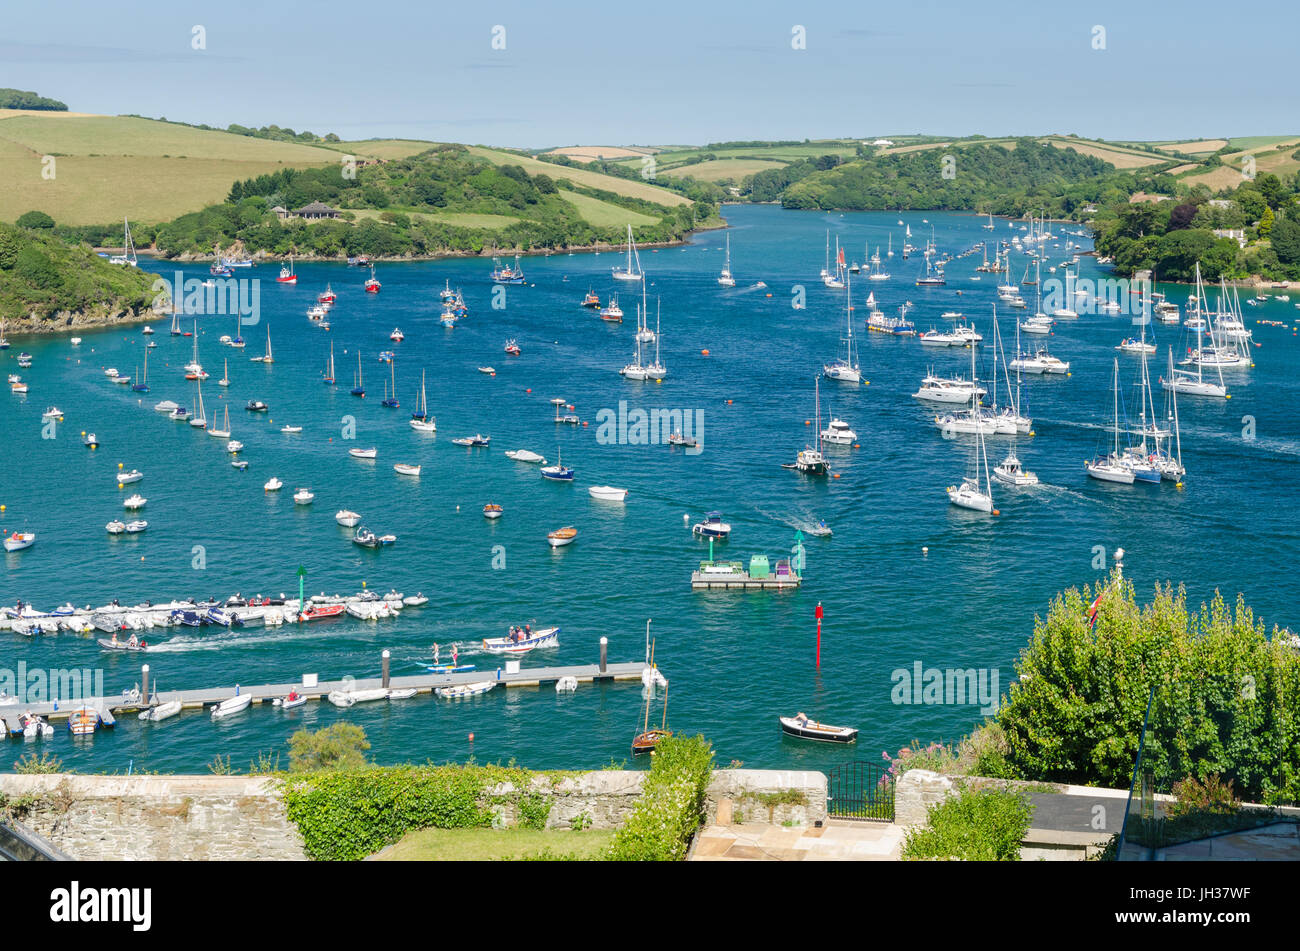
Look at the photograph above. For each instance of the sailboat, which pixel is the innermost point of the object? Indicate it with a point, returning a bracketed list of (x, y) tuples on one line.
[(1111, 467), (846, 370), (390, 399), (1065, 312), (199, 420), (725, 278), (266, 358), (194, 370), (420, 419), (648, 738), (141, 385), (656, 371), (972, 494), (1184, 381), (810, 460), (636, 370), (877, 271), (1140, 458), (127, 257), (1009, 422), (224, 431), (358, 389), (833, 278), (329, 368), (630, 273)]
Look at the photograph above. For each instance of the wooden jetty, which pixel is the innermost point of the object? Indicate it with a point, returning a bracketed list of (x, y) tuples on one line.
[(265, 693)]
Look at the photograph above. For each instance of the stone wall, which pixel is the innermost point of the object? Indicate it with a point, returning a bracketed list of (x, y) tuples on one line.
[(158, 817), (604, 797), (772, 796)]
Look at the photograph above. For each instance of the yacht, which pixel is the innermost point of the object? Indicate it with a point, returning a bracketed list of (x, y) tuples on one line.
[(846, 370), (838, 433), (725, 278)]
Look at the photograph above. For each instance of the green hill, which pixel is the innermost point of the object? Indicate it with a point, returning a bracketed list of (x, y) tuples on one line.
[(47, 285)]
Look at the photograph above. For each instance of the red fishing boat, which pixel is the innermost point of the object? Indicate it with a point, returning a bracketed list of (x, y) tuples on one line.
[(287, 275), (328, 297), (372, 285)]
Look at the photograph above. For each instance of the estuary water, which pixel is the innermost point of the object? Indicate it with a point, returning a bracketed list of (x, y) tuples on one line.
[(906, 578)]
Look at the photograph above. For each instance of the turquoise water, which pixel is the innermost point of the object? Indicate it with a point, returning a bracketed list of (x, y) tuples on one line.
[(735, 661)]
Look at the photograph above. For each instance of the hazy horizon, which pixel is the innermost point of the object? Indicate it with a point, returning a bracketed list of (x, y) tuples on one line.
[(596, 74)]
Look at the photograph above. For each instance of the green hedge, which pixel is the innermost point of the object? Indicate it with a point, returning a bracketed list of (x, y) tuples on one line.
[(350, 814), (983, 826), (671, 807)]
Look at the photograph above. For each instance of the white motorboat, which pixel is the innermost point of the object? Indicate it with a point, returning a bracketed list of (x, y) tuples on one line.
[(162, 711), (136, 526), (363, 453), (938, 389), (234, 446), (461, 691), (135, 502), (1011, 472), (303, 497), (525, 455), (347, 518), (1038, 324), (166, 406), (1039, 362), (231, 705), (838, 433), (126, 478), (52, 412), (712, 527), (607, 493), (290, 429), (523, 641), (404, 468), (273, 485), (115, 527)]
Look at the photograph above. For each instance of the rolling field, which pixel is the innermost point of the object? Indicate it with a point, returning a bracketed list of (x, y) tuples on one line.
[(458, 219), (382, 148), (586, 153), (1272, 155), (601, 214), (734, 169), (619, 186), (1119, 157)]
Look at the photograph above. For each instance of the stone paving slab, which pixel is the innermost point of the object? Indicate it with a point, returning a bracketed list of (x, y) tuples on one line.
[(836, 841)]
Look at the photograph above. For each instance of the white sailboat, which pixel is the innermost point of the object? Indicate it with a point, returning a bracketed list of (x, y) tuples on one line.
[(1183, 381), (199, 420), (225, 374), (127, 257), (329, 367), (846, 370), (656, 370), (421, 421), (630, 272), (972, 493), (725, 278), (265, 358), (224, 431), (1065, 312), (1111, 467)]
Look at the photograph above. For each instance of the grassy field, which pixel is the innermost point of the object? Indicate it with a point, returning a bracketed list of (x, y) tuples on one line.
[(619, 186), (1119, 157), (455, 218), (97, 190), (107, 167), (665, 158), (586, 153), (383, 148), (1272, 154), (601, 214), (480, 845), (734, 169), (1241, 143)]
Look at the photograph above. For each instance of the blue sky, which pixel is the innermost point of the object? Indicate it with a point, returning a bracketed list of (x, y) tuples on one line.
[(668, 72)]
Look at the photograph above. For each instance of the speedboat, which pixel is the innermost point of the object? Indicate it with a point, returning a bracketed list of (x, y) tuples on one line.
[(52, 413), (17, 541), (512, 348), (477, 439), (492, 510), (1012, 473), (523, 641), (304, 496), (126, 478), (115, 527), (607, 493), (397, 336), (136, 501), (561, 536), (712, 527), (90, 441), (231, 705), (256, 406), (347, 518)]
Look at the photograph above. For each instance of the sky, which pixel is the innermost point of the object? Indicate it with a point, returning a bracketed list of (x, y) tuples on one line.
[(668, 72)]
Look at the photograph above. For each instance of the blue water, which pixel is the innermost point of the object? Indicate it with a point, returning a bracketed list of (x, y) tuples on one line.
[(735, 661)]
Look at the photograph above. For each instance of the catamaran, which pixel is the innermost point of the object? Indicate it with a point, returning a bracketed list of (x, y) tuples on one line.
[(725, 278), (127, 257), (846, 370), (631, 272)]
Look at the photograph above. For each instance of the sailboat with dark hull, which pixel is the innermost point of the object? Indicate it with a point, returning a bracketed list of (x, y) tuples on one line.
[(649, 737)]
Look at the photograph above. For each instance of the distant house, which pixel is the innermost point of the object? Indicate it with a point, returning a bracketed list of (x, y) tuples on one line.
[(1236, 234), (1220, 202), (884, 142), (280, 212), (315, 211)]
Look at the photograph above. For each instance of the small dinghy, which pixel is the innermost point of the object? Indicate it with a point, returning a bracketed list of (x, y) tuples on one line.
[(490, 371), (131, 644), (607, 493), (290, 429), (273, 485), (492, 510), (566, 685), (404, 468), (115, 527), (347, 518), (561, 536), (800, 726), (240, 464), (231, 705), (525, 455), (401, 693), (295, 699), (162, 711), (461, 691), (20, 540), (415, 600), (363, 453), (340, 698)]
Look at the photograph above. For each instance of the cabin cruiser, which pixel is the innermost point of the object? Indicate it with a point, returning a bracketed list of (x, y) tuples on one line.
[(839, 433)]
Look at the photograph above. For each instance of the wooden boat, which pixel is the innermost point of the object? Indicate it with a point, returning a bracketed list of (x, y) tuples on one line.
[(404, 468), (562, 536), (162, 711), (803, 728), (647, 741), (648, 738), (543, 637), (231, 705), (461, 691), (83, 721)]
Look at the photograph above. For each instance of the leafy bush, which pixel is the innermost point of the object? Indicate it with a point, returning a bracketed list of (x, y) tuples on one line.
[(983, 826), (671, 807), (35, 219), (1212, 796), (46, 762), (341, 746)]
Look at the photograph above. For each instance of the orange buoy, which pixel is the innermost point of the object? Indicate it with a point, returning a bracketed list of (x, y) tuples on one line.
[(728, 402), (835, 476), (996, 512), (807, 422), (471, 737), (529, 390), (705, 351), (584, 422)]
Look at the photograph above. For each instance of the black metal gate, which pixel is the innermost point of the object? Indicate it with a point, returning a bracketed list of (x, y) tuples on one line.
[(860, 790)]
